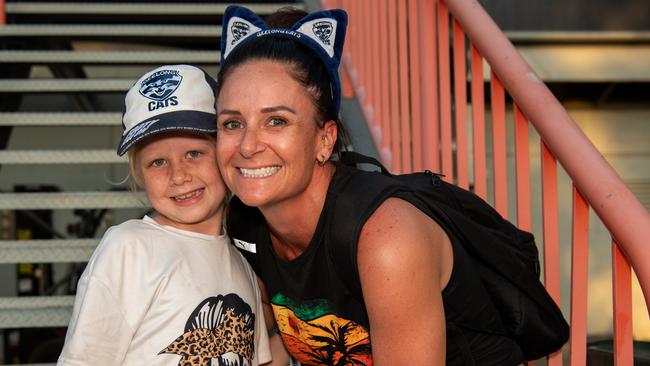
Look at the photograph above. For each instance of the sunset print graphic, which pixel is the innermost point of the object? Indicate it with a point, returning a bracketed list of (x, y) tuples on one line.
[(314, 335)]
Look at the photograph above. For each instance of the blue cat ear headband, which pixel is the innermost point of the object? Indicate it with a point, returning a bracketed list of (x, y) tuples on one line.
[(323, 32)]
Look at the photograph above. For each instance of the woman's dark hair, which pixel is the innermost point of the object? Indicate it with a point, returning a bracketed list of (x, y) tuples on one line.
[(304, 66)]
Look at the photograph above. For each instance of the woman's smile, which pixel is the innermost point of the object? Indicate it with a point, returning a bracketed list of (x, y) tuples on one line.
[(259, 172)]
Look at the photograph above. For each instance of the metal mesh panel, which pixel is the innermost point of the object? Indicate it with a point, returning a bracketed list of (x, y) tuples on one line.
[(46, 251), (110, 57), (61, 119), (195, 31), (42, 201), (60, 157), (35, 311)]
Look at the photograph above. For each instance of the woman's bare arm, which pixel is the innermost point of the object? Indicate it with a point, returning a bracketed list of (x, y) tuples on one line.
[(404, 260)]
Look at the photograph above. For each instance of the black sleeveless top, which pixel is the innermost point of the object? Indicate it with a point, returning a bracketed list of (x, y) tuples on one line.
[(322, 317)]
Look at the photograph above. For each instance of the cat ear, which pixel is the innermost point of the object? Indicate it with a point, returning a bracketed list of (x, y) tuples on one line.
[(327, 29), (239, 23), (325, 35)]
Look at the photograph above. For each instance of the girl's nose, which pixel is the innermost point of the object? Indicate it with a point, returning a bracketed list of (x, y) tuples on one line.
[(180, 174)]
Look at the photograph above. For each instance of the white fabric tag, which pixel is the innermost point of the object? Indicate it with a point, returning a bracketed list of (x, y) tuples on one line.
[(249, 247)]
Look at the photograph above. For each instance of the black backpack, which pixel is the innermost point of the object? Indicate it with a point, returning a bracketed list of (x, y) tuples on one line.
[(506, 257)]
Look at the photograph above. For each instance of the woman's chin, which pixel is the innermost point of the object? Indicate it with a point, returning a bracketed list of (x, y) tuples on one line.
[(253, 200)]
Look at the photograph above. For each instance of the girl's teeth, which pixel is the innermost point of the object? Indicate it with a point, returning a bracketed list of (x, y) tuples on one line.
[(260, 172), (189, 195)]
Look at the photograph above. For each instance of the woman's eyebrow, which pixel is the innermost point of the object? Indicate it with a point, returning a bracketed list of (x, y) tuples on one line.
[(277, 109)]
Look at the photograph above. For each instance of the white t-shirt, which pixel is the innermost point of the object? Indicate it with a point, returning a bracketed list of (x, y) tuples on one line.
[(157, 295)]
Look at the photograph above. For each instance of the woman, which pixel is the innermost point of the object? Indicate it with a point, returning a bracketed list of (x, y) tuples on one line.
[(277, 115)]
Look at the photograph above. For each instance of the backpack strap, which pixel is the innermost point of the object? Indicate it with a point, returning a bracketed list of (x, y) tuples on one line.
[(351, 158)]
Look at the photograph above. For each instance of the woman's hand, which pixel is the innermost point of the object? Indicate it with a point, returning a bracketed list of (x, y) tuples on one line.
[(405, 261)]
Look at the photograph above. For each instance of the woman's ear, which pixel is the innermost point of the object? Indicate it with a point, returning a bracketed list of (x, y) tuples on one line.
[(328, 135)]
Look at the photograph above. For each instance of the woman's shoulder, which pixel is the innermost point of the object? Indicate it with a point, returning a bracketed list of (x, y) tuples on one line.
[(395, 215), (397, 230)]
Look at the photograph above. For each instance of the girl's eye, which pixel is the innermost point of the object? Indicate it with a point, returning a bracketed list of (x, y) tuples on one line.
[(158, 163), (193, 154), (232, 125), (275, 122)]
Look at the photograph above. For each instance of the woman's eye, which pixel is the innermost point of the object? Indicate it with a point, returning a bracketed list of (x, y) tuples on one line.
[(193, 154), (158, 163), (232, 125), (274, 122)]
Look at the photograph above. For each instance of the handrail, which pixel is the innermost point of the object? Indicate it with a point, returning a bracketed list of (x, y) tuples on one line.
[(617, 207)]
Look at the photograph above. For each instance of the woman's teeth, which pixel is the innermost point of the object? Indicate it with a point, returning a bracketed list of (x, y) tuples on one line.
[(259, 172)]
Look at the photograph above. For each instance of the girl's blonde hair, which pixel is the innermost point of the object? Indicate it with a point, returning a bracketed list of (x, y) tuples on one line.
[(134, 177)]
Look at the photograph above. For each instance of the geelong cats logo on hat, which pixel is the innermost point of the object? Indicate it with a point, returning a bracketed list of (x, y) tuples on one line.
[(160, 85), (239, 30), (323, 30)]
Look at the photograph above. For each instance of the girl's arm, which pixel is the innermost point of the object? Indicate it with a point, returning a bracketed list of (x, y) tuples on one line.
[(98, 333), (278, 352), (405, 261), (111, 301)]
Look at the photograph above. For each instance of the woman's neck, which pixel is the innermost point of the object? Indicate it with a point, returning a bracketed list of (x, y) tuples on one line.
[(293, 222)]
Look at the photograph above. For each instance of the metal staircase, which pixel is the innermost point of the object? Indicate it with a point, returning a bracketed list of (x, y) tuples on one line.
[(64, 69)]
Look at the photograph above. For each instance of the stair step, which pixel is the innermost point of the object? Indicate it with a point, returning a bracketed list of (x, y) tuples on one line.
[(144, 8), (581, 37), (60, 157), (47, 251), (61, 119), (49, 201), (109, 57), (111, 31), (107, 85), (35, 311)]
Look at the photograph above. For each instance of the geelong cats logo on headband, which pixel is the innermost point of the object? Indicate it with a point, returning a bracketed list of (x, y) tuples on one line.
[(160, 85), (323, 30), (239, 30)]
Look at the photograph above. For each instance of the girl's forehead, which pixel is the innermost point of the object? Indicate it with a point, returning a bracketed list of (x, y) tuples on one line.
[(175, 138)]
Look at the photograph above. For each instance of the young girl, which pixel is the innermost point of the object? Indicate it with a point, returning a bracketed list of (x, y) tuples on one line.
[(169, 289)]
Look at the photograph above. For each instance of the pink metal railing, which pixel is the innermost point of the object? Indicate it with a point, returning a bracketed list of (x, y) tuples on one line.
[(398, 60), (3, 13)]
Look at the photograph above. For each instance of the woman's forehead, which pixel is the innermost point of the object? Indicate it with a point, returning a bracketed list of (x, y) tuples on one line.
[(261, 82), (261, 68)]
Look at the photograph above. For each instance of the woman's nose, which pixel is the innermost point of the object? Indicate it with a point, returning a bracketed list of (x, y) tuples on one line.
[(250, 143)]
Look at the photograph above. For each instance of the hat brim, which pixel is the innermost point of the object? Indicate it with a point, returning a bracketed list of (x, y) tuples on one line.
[(178, 121)]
